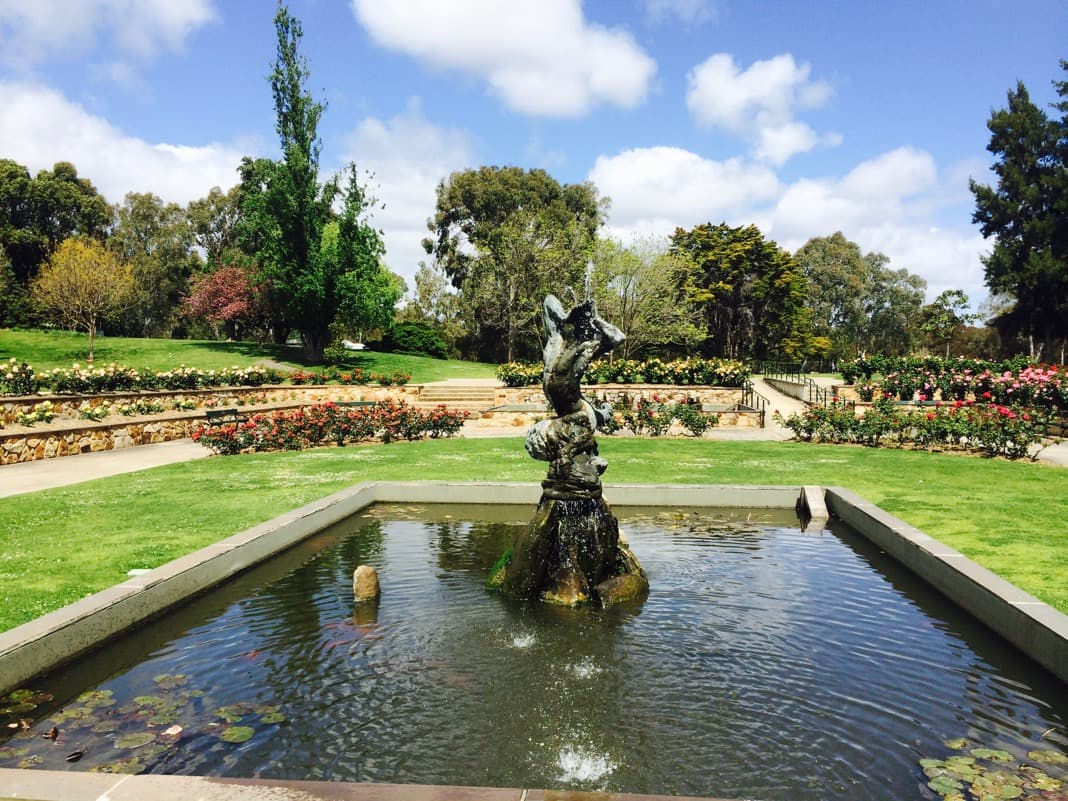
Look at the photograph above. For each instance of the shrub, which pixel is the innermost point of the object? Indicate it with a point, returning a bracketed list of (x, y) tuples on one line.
[(417, 338), (692, 419), (327, 423), (18, 379)]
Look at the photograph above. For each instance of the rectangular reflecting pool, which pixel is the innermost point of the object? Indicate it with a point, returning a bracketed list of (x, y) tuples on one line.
[(767, 662)]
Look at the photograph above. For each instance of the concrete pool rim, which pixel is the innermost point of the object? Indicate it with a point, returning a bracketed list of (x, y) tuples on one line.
[(40, 645)]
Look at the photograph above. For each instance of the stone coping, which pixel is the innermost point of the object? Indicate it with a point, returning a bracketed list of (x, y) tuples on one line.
[(46, 785), (40, 645)]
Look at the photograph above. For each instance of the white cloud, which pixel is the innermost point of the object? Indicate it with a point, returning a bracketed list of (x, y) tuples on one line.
[(759, 103), (38, 127), (689, 12), (32, 30), (655, 189), (885, 204), (408, 155), (540, 57)]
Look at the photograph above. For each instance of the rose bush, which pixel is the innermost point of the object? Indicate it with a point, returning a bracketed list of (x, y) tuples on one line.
[(328, 423)]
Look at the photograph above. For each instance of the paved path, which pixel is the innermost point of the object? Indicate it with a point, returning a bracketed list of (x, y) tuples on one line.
[(16, 479)]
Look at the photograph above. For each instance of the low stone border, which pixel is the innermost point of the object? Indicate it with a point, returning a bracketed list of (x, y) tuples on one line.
[(26, 651), (45, 785), (42, 644)]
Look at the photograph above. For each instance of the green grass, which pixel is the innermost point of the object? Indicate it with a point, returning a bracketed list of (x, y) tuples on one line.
[(46, 350), (59, 545)]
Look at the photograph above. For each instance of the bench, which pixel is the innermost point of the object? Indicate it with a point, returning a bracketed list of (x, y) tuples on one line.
[(217, 417), (354, 404)]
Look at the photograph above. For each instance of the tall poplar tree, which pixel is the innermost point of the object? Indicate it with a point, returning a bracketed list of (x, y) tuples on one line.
[(318, 265)]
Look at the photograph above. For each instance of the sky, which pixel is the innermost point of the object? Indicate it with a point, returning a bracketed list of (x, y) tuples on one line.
[(803, 118)]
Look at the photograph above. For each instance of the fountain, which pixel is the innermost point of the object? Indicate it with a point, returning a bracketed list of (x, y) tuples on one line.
[(572, 552)]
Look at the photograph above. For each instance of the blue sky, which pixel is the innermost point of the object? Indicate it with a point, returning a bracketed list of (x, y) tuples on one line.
[(803, 118)]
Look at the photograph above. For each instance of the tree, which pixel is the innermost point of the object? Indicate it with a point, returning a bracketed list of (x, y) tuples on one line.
[(749, 292), (505, 237), (156, 240), (893, 306), (859, 303), (436, 304), (229, 296), (214, 220), (82, 284), (1026, 213), (635, 289), (839, 280), (37, 213), (946, 316), (286, 211)]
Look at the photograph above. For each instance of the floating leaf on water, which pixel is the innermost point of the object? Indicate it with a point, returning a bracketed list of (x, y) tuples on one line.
[(1048, 757), (128, 765), (236, 734), (233, 712), (31, 761), (97, 698), (993, 754), (135, 739), (18, 708), (944, 785), (11, 752), (957, 744), (1037, 780), (105, 726), (151, 701), (81, 714), (932, 763), (273, 717), (173, 731), (170, 681)]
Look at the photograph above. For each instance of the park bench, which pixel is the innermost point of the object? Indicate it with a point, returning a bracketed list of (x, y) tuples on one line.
[(217, 417), (356, 404)]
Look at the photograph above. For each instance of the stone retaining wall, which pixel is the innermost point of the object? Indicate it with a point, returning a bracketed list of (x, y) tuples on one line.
[(69, 434)]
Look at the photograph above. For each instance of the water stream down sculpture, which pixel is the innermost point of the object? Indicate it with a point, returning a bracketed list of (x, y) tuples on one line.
[(572, 552)]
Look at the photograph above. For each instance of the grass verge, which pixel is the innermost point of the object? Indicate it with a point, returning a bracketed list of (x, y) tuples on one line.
[(59, 545), (45, 350)]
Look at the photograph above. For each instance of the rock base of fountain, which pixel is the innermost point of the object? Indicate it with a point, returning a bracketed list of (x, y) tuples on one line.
[(571, 553)]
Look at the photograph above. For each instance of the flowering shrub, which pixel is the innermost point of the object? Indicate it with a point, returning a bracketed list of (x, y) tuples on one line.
[(142, 407), (991, 429), (18, 379), (42, 413), (327, 423), (95, 413), (1013, 382), (654, 418), (680, 372)]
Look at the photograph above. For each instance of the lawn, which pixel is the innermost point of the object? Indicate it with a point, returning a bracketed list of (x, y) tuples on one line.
[(59, 545), (45, 350)]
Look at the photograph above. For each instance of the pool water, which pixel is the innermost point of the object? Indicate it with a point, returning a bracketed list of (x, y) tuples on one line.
[(767, 662)]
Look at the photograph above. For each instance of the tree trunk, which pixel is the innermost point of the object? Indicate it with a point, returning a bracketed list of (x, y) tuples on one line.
[(92, 338)]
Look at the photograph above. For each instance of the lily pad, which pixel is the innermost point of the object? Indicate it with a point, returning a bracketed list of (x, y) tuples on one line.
[(1048, 757), (236, 734), (105, 726), (956, 744), (1034, 779), (94, 699), (31, 761), (135, 739), (993, 754), (233, 712), (171, 681), (273, 717), (130, 765), (932, 763), (944, 785)]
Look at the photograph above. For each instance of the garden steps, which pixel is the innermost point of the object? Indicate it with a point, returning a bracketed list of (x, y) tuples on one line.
[(472, 397)]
